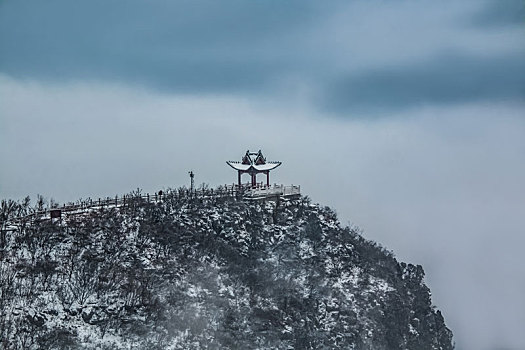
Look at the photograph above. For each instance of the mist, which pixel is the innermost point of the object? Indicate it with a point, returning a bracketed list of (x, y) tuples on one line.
[(439, 186)]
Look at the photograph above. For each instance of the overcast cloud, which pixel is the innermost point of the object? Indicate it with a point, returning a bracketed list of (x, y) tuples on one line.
[(407, 117), (348, 55)]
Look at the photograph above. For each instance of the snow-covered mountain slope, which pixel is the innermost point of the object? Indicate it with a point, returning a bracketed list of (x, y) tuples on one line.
[(208, 273)]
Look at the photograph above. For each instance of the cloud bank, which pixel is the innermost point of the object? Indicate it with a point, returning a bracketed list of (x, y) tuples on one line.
[(346, 57)]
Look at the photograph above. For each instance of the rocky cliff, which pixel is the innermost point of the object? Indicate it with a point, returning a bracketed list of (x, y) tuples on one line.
[(208, 273)]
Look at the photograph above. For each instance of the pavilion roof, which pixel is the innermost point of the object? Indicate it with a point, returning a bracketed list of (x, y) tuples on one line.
[(247, 167), (253, 161)]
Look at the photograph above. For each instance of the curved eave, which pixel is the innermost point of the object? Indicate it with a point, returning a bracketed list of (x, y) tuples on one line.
[(249, 167), (238, 166), (267, 166)]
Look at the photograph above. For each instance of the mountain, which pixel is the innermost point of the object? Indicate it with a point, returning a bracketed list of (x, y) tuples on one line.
[(208, 272)]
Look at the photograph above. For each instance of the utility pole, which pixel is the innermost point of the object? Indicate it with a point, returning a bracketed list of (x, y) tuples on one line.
[(192, 175)]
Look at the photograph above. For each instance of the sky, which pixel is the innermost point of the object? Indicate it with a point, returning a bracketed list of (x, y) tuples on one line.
[(407, 117)]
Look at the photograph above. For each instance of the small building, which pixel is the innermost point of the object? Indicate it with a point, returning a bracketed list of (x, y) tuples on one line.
[(253, 163)]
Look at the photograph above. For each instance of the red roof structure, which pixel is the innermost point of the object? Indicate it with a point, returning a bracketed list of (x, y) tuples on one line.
[(253, 163)]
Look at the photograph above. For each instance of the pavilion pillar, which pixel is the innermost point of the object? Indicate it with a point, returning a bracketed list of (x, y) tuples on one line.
[(239, 178), (267, 178), (254, 179)]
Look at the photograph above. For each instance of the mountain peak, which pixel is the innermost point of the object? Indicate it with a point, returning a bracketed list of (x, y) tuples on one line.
[(210, 272)]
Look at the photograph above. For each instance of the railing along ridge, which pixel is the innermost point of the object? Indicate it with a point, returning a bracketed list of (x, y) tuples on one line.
[(260, 190)]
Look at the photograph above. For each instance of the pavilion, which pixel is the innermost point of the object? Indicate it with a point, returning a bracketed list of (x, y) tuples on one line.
[(253, 163)]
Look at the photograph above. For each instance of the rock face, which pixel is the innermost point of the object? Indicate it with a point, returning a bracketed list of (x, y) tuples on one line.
[(210, 273)]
